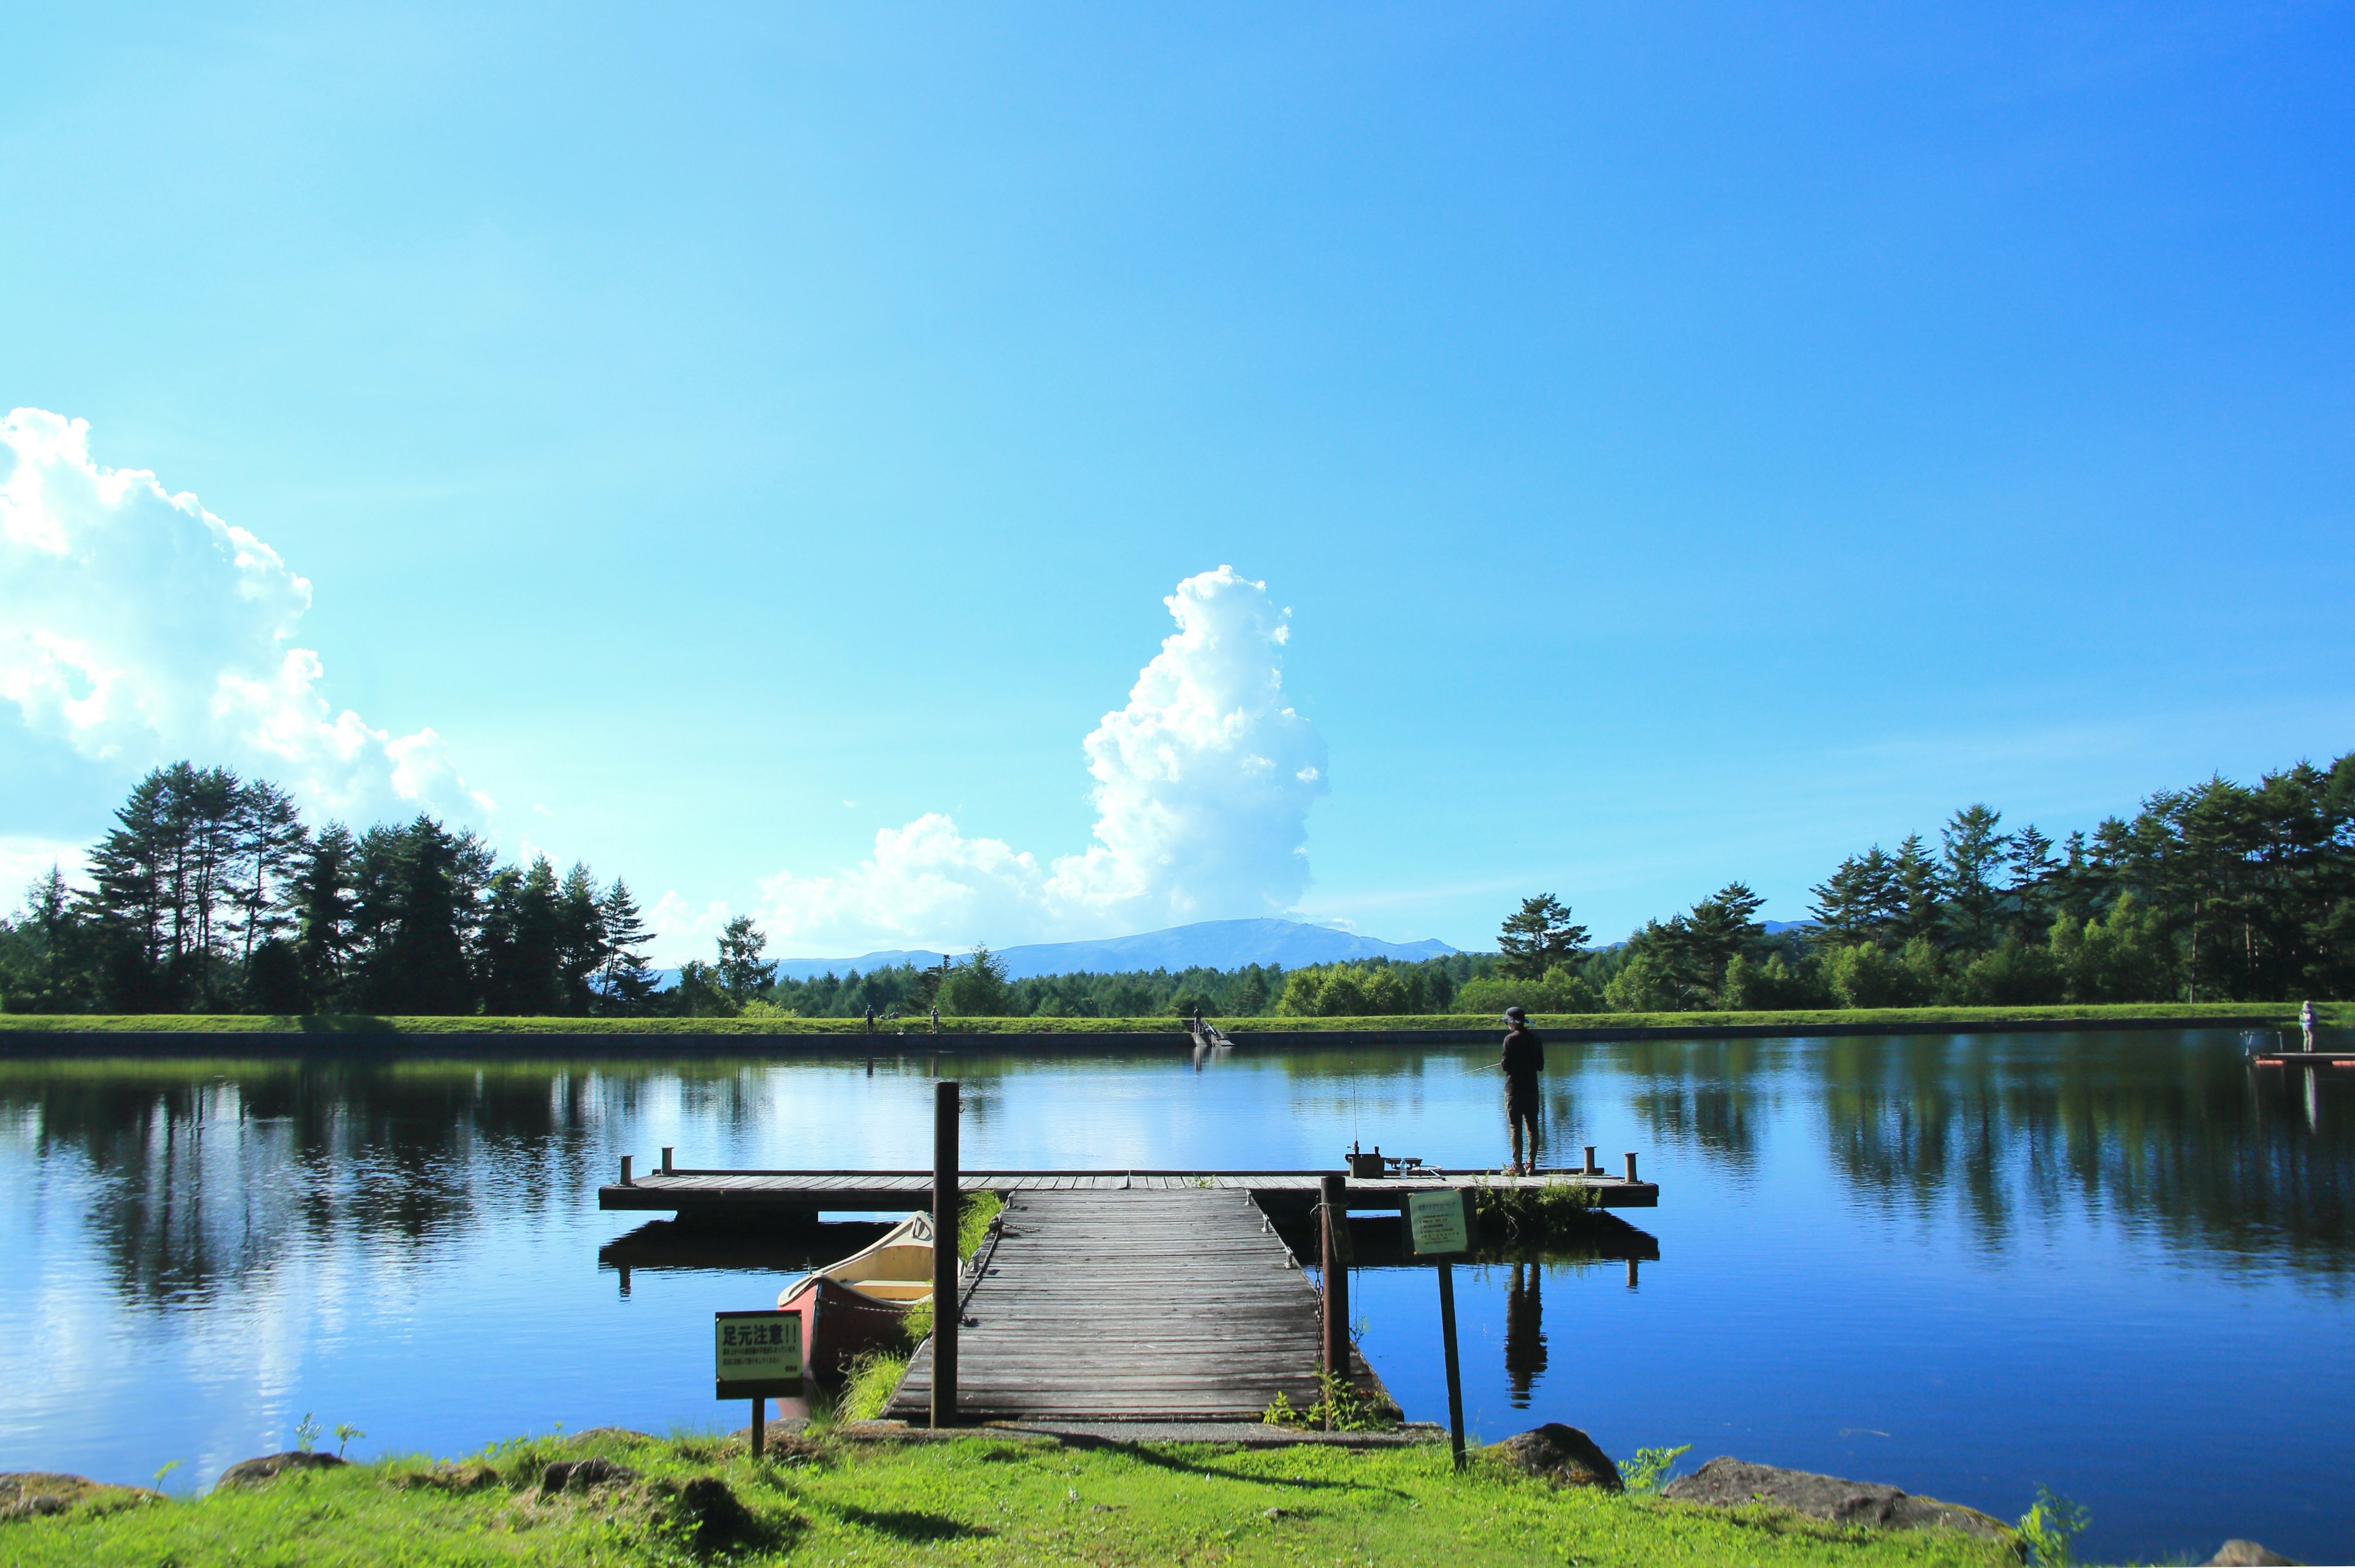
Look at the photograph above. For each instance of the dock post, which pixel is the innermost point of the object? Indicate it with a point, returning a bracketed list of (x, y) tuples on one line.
[(625, 1171), (946, 1303), (1333, 1269), (1594, 1166), (1631, 1168), (1447, 1344), (666, 1159)]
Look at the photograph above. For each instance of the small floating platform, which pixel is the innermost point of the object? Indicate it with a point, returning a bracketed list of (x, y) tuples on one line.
[(1281, 1193)]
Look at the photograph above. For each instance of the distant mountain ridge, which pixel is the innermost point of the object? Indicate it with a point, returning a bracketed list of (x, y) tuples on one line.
[(1209, 944)]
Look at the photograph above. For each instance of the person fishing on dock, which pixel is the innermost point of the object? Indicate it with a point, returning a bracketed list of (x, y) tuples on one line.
[(1523, 1059)]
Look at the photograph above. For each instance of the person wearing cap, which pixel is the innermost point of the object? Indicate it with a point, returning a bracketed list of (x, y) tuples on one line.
[(1523, 1059)]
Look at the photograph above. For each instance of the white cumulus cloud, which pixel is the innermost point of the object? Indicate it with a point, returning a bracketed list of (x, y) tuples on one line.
[(1202, 787), (138, 628)]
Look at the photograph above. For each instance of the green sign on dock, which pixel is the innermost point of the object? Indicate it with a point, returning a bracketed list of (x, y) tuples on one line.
[(1436, 1222)]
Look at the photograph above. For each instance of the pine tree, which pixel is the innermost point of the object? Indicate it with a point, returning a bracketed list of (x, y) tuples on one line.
[(1540, 935), (625, 983), (742, 973)]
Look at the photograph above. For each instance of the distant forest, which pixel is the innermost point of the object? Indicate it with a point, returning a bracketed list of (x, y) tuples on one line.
[(212, 895)]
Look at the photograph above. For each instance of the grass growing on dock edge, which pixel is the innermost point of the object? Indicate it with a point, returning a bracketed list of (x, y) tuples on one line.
[(979, 1499), (1525, 1213), (868, 1383)]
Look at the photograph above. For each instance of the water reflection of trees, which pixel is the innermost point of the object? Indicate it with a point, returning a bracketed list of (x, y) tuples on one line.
[(197, 1174), (1715, 1096), (2167, 1131)]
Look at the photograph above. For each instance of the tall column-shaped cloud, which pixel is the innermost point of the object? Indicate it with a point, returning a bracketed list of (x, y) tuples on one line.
[(1202, 788), (137, 627)]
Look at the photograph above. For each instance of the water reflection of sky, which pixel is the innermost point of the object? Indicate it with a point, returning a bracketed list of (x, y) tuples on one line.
[(1964, 1265)]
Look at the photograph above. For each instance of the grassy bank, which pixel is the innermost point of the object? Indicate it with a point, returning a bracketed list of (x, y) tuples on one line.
[(847, 1032), (976, 1499)]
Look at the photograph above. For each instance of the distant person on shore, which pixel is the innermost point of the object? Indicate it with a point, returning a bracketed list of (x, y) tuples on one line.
[(2306, 1024), (936, 1018), (871, 1018), (1523, 1059)]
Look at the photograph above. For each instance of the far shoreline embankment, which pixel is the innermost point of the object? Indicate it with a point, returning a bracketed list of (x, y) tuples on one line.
[(253, 1035)]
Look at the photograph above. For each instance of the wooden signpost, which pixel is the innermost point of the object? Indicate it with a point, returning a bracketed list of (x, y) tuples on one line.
[(757, 1356), (1440, 1225), (947, 1302)]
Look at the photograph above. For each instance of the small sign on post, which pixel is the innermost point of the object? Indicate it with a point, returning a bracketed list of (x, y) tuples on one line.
[(756, 1356), (1439, 1225), (1439, 1222)]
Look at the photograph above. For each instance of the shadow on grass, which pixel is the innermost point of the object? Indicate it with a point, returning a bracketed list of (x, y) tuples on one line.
[(904, 1524), (1165, 1461)]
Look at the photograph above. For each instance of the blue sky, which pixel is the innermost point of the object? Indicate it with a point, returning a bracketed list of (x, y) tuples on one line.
[(1689, 443)]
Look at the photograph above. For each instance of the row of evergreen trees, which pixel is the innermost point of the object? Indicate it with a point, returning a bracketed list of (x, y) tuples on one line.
[(211, 895), (2221, 892)]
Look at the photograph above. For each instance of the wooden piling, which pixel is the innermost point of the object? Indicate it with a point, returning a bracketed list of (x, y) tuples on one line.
[(625, 1171), (666, 1159), (1333, 1269), (946, 1218), (1631, 1165), (1447, 1345)]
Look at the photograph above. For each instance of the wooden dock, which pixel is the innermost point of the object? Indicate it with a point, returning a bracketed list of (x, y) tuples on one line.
[(1157, 1303), (1284, 1194)]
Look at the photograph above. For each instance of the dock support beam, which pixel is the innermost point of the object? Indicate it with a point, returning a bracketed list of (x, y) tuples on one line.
[(1333, 1270), (946, 1219)]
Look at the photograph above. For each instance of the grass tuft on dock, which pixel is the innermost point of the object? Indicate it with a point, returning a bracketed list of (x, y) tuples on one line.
[(1561, 1207), (978, 1499)]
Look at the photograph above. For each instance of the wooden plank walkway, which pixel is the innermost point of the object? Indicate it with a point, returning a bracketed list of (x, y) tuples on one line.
[(1284, 1192), (1165, 1302)]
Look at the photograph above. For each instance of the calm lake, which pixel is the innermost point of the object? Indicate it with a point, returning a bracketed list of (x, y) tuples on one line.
[(2121, 1265)]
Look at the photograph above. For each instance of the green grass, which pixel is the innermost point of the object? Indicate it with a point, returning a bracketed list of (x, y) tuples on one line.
[(1525, 1213), (850, 1030), (978, 1499)]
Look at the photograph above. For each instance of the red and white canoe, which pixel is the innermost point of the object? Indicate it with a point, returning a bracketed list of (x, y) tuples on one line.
[(859, 1303)]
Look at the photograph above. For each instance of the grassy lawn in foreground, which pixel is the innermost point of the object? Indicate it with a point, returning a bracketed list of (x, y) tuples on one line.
[(852, 1029), (978, 1499)]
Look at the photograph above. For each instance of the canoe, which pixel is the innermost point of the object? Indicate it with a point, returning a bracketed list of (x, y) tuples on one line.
[(859, 1303)]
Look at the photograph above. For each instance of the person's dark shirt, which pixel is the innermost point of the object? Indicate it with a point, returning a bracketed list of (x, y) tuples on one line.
[(1524, 1058)]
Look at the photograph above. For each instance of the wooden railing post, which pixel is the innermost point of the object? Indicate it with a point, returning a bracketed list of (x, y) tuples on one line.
[(1333, 1269), (946, 1217)]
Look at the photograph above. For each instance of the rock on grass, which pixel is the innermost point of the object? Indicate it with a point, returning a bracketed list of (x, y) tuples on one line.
[(1730, 1483), (36, 1494), (269, 1466), (1563, 1455), (581, 1474)]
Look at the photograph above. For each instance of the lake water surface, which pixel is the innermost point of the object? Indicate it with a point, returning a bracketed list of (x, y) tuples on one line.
[(2121, 1265)]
